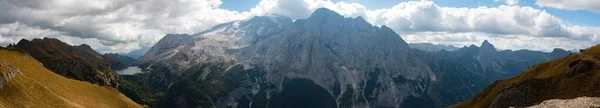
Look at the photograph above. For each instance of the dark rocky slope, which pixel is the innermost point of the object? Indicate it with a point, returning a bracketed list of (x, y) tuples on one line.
[(75, 62), (118, 62)]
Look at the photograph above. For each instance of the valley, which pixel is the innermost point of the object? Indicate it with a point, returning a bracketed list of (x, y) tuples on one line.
[(325, 60)]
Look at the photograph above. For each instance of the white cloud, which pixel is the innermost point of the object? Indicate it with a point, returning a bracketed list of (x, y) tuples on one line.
[(118, 25), (422, 16), (509, 2), (511, 42), (11, 33), (591, 5), (418, 17), (300, 9)]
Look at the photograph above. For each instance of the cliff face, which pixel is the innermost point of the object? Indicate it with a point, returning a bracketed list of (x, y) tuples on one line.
[(347, 62), (24, 82), (75, 62), (573, 76)]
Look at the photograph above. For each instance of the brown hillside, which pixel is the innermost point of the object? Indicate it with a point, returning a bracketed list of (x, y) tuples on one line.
[(570, 77), (25, 83)]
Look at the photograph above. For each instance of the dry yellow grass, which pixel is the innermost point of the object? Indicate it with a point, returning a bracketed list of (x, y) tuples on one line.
[(37, 87)]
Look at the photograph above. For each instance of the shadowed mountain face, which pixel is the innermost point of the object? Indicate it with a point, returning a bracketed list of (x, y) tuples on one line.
[(575, 75), (262, 61), (499, 64), (75, 62), (118, 62)]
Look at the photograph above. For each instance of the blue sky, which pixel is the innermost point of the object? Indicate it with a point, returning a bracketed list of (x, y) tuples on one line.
[(239, 5)]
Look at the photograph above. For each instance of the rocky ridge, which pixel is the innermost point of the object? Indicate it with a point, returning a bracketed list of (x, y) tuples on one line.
[(496, 64), (76, 62)]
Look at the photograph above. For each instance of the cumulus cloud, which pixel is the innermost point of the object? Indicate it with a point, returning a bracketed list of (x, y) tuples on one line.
[(506, 42), (114, 23), (591, 5), (11, 33), (125, 25), (300, 9), (422, 16)]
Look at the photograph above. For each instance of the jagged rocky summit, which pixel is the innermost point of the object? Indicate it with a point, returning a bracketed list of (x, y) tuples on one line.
[(337, 61)]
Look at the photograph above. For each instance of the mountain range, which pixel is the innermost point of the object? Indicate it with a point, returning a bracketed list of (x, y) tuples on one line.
[(432, 47), (327, 60), (494, 64), (344, 62)]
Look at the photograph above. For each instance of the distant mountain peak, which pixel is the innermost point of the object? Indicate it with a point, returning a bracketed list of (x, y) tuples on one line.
[(485, 42), (85, 46), (559, 50), (23, 41), (471, 46), (487, 45), (324, 12)]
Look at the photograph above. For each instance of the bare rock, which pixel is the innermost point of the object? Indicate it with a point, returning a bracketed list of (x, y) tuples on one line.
[(581, 102), (580, 66)]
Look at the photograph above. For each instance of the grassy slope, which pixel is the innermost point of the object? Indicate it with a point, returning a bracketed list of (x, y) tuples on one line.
[(39, 87), (542, 82)]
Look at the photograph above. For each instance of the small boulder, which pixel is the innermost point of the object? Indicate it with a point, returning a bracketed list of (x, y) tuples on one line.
[(580, 66)]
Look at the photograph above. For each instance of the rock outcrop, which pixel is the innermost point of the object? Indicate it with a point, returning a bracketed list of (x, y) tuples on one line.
[(581, 66), (580, 102), (7, 73)]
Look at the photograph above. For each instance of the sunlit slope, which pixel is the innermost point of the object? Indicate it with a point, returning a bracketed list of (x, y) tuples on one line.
[(570, 77), (29, 84)]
